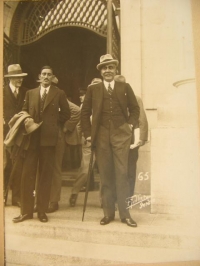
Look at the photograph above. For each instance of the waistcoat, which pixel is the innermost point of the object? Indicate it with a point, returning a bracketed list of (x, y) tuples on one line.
[(111, 110)]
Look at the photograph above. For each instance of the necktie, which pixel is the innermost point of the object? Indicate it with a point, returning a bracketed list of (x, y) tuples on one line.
[(15, 93), (109, 89), (44, 95)]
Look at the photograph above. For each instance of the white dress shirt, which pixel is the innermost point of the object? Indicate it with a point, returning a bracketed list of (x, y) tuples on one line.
[(13, 88), (106, 84), (42, 90)]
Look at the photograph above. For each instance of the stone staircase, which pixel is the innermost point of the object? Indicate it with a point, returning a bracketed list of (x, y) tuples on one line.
[(66, 240)]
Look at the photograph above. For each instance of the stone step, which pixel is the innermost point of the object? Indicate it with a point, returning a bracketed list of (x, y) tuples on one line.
[(66, 240), (153, 230), (29, 251)]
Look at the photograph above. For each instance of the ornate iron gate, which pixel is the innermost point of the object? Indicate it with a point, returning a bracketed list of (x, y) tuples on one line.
[(34, 19)]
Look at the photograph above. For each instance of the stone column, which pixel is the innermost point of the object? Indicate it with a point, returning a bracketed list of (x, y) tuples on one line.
[(131, 43), (175, 184)]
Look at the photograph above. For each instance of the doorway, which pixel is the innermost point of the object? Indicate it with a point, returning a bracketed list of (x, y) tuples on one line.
[(72, 52)]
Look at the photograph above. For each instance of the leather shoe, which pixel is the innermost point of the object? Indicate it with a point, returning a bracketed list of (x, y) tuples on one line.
[(53, 206), (129, 222), (16, 203), (22, 218), (72, 200), (106, 220), (42, 217)]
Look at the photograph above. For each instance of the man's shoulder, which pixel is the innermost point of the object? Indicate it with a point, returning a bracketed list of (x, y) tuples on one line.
[(73, 105)]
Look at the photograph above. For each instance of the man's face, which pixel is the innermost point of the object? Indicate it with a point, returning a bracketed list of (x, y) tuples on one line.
[(108, 72), (81, 97), (16, 82), (46, 77)]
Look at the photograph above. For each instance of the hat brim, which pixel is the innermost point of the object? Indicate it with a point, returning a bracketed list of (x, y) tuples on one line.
[(16, 75), (33, 128), (114, 61)]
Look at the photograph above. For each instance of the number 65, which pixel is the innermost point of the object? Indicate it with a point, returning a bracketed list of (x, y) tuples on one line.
[(143, 176)]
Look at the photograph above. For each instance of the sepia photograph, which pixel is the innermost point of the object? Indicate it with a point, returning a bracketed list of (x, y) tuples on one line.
[(100, 133)]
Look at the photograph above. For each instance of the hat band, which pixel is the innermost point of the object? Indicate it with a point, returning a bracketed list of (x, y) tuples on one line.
[(107, 60), (15, 72)]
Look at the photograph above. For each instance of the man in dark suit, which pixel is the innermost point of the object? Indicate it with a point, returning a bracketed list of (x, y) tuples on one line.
[(110, 134), (46, 104), (13, 99)]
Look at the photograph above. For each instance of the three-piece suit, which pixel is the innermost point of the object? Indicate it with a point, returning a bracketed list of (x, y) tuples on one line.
[(41, 152), (11, 106), (111, 137)]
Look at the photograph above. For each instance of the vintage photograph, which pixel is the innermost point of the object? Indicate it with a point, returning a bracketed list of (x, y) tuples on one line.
[(101, 135)]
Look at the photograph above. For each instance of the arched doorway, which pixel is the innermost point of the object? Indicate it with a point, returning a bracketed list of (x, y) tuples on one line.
[(68, 35), (73, 54)]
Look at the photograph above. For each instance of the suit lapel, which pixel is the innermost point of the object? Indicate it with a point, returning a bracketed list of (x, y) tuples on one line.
[(37, 99), (52, 92), (11, 95), (121, 96)]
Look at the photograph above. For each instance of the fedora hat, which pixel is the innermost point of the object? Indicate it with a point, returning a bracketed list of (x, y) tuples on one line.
[(31, 126), (107, 59), (15, 71)]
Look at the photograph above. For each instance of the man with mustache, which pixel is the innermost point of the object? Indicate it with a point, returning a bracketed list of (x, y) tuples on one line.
[(110, 135), (46, 104)]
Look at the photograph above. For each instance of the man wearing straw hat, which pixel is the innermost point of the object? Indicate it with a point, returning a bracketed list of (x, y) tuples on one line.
[(13, 99), (110, 135)]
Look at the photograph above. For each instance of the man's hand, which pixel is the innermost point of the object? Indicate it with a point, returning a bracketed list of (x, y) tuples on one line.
[(141, 142)]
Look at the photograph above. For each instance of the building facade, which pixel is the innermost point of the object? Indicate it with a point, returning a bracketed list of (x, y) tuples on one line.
[(157, 45)]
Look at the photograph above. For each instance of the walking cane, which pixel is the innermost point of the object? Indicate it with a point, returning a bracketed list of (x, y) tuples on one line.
[(90, 168)]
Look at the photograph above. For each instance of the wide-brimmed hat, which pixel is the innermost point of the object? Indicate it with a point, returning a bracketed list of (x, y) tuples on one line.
[(31, 126), (15, 71), (107, 59)]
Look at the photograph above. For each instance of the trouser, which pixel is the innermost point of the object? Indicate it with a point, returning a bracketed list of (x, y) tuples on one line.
[(14, 180), (57, 173), (83, 170), (112, 150), (44, 159)]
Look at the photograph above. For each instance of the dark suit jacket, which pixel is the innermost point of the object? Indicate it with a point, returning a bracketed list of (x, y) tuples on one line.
[(72, 126), (92, 105), (11, 105), (55, 113)]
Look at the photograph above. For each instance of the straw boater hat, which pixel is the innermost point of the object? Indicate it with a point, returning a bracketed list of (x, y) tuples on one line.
[(107, 59), (15, 71), (31, 126)]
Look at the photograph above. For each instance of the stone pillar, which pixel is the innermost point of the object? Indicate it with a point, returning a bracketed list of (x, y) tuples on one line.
[(131, 43), (175, 184)]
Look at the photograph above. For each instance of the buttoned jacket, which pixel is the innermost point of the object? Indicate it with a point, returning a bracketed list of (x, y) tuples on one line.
[(55, 112), (11, 105), (93, 103)]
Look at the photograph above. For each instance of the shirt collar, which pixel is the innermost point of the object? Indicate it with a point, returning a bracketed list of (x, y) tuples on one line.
[(13, 88), (112, 84), (42, 89)]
